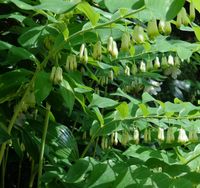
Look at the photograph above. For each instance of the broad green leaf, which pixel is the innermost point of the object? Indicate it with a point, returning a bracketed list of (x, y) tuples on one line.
[(101, 176), (123, 110), (10, 87), (52, 6), (77, 172), (86, 8), (31, 37), (144, 109), (114, 5), (43, 86), (67, 95), (102, 102), (164, 9), (197, 32), (146, 97), (196, 4)]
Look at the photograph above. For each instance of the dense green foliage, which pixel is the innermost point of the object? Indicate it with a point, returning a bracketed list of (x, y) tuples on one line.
[(100, 93)]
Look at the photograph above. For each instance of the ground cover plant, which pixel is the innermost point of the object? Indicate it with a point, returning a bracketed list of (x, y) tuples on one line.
[(100, 93)]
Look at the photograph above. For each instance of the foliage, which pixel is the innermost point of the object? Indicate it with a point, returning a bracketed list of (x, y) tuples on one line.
[(94, 93)]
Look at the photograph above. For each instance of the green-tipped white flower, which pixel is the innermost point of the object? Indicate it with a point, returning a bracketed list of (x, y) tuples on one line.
[(111, 75), (182, 136), (161, 135), (170, 60), (134, 69), (125, 42), (170, 136), (193, 137), (147, 135), (82, 49), (115, 138), (127, 70), (142, 66), (149, 65), (110, 43), (114, 51), (97, 51), (138, 35), (152, 29), (136, 136), (157, 63)]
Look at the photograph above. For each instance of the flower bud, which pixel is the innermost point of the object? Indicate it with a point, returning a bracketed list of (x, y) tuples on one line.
[(152, 29), (161, 135), (192, 11), (182, 137), (125, 41), (164, 63), (85, 59), (124, 138), (177, 61), (82, 49), (157, 63), (111, 75), (110, 44), (67, 65), (127, 70), (164, 27), (178, 20), (115, 138), (138, 35), (97, 52), (193, 137), (147, 135), (53, 70), (149, 65), (114, 51), (58, 76), (134, 69), (170, 136), (170, 60), (136, 136), (142, 66)]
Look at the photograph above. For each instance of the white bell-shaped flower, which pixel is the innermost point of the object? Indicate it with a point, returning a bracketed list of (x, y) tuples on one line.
[(182, 136)]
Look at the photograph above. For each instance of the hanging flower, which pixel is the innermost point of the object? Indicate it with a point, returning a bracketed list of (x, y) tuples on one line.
[(193, 137), (161, 135), (153, 88), (170, 60), (182, 137), (127, 70), (170, 136), (136, 136), (142, 66), (157, 63)]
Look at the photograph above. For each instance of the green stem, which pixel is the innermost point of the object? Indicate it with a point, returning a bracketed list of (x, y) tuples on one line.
[(33, 173), (19, 174), (91, 141), (46, 123), (193, 158)]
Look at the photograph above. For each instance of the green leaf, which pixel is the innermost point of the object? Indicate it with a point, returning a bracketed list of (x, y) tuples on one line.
[(123, 110), (43, 86), (196, 4), (146, 97), (53, 6), (114, 5), (102, 102), (31, 37), (197, 32), (101, 176), (164, 9), (10, 86), (144, 109), (99, 116), (89, 12), (4, 136), (77, 172), (67, 95)]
